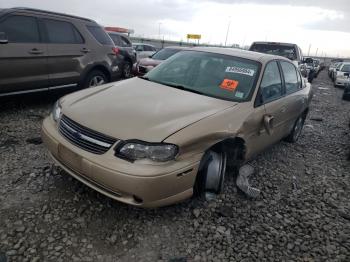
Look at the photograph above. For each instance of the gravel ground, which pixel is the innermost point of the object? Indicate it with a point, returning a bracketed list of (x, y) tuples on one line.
[(302, 214)]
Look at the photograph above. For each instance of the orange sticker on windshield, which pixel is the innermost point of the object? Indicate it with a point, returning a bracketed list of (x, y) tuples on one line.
[(229, 84)]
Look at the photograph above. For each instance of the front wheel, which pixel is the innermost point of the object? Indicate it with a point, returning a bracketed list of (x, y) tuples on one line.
[(211, 174), (296, 131)]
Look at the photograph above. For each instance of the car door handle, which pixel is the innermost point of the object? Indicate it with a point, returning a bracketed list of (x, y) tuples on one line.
[(85, 50), (35, 51)]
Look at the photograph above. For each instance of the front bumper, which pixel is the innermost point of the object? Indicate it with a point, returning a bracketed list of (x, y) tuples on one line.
[(139, 184), (341, 81)]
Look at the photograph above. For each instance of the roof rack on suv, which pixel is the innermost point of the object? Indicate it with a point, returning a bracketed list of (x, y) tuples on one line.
[(51, 13)]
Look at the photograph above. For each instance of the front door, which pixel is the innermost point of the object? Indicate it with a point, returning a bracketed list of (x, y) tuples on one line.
[(23, 60)]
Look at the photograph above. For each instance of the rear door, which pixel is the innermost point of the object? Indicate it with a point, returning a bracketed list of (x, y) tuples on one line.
[(294, 101), (23, 63), (67, 52), (272, 93), (268, 103)]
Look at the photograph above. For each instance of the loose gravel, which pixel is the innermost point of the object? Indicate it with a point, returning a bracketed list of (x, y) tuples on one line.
[(302, 213)]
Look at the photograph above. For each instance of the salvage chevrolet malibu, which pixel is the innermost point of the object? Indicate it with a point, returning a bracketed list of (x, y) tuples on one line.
[(159, 139)]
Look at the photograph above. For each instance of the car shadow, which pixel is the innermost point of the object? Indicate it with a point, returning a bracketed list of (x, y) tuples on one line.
[(32, 100)]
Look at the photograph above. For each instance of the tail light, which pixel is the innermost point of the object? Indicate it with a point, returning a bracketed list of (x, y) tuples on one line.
[(115, 50)]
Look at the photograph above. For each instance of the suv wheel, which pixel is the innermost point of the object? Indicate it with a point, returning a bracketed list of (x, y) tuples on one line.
[(95, 78), (127, 69)]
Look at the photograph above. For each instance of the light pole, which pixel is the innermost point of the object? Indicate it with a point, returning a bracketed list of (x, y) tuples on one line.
[(228, 29), (308, 53), (159, 24)]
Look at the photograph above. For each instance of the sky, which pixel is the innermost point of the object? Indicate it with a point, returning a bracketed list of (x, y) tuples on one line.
[(323, 26)]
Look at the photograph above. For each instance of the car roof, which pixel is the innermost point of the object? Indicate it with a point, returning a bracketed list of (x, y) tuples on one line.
[(142, 44), (178, 47), (116, 33), (274, 43), (40, 11), (255, 56)]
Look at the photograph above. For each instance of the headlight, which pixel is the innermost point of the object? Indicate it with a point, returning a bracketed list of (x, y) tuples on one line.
[(159, 152), (56, 111)]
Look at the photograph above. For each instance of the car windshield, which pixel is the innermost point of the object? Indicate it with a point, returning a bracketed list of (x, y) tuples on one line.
[(165, 53), (216, 75), (273, 49)]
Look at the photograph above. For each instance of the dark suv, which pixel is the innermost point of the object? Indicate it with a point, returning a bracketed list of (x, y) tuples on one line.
[(124, 45), (42, 50)]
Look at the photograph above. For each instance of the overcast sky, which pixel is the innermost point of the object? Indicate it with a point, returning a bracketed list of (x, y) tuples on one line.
[(323, 24)]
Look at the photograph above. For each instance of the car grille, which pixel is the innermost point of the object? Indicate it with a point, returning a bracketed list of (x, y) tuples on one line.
[(85, 138)]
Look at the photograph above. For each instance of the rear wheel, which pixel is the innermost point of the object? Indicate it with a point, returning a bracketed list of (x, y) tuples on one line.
[(296, 131), (127, 69), (211, 174), (95, 78)]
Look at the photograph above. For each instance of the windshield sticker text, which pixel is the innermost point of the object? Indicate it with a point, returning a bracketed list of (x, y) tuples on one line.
[(239, 94), (229, 84), (240, 70)]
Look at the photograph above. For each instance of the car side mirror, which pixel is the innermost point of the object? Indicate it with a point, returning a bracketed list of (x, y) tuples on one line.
[(3, 38), (268, 124)]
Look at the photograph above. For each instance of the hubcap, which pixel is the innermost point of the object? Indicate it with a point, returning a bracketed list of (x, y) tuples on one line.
[(96, 81), (215, 172)]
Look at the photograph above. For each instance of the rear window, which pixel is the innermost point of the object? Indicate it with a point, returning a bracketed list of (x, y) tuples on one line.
[(100, 35), (273, 49), (165, 53), (125, 41)]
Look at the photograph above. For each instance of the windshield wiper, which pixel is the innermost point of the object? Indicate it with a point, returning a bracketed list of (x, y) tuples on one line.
[(144, 78), (181, 87)]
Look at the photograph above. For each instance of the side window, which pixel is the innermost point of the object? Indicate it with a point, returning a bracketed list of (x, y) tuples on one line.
[(125, 42), (115, 39), (271, 84), (100, 35), (149, 48), (139, 48), (290, 77), (60, 32), (21, 29)]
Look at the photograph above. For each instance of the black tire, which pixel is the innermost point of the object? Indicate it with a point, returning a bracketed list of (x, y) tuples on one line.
[(211, 173), (95, 78), (297, 129), (127, 68), (311, 76)]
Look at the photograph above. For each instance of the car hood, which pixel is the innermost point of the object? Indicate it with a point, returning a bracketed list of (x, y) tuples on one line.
[(149, 62), (139, 109)]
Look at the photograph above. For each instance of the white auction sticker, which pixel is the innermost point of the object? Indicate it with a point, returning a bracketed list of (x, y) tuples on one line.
[(239, 94), (240, 70)]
